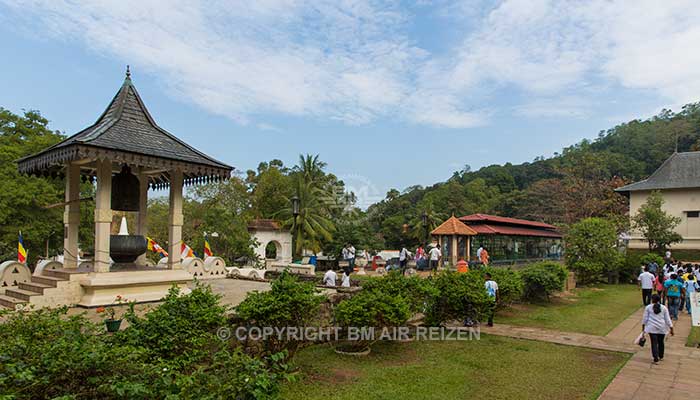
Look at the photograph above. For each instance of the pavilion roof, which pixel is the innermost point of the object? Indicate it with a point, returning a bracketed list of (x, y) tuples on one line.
[(126, 132), (453, 226)]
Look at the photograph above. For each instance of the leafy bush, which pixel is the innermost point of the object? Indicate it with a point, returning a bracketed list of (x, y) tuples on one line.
[(180, 331), (46, 354), (510, 284), (371, 309), (414, 289), (457, 297), (542, 279), (651, 257), (289, 303)]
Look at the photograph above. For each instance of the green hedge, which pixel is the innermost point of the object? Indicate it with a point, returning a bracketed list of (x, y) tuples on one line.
[(510, 284), (542, 279)]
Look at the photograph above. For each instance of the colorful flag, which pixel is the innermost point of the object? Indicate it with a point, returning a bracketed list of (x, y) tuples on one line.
[(186, 251), (21, 251), (155, 247), (207, 249)]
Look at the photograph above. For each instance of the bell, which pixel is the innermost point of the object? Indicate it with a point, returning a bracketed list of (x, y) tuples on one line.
[(125, 190)]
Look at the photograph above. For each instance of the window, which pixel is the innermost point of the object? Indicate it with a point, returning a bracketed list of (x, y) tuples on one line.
[(693, 214)]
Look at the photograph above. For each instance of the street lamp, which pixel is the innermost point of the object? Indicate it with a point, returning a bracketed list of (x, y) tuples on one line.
[(425, 224), (295, 213)]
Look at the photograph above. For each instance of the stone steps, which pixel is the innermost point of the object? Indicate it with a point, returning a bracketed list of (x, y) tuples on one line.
[(11, 302), (47, 280), (20, 294), (34, 286)]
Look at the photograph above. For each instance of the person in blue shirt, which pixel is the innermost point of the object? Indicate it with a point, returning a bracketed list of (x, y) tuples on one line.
[(690, 286), (674, 290)]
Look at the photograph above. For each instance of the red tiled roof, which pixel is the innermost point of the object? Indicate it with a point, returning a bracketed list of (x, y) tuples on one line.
[(485, 229), (503, 220), (453, 226)]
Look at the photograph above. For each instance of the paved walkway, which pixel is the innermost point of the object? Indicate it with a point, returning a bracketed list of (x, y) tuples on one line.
[(676, 377)]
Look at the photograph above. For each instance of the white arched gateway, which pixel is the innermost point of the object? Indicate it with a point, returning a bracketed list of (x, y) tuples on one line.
[(274, 244)]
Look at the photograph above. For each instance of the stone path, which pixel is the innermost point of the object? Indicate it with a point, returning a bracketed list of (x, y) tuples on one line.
[(676, 377)]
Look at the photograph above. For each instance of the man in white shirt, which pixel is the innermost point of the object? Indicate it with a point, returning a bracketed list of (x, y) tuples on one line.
[(349, 256), (478, 251), (435, 256), (491, 291), (646, 281), (403, 258), (329, 278)]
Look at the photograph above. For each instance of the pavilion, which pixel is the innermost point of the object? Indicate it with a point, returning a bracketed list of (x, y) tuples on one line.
[(453, 238), (124, 144)]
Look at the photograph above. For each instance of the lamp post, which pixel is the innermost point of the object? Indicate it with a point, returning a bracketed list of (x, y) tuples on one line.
[(425, 224), (295, 214)]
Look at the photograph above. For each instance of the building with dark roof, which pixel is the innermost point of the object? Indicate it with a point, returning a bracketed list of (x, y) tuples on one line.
[(678, 181), (512, 239)]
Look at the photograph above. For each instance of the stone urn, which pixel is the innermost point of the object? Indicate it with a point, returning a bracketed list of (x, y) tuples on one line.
[(125, 249)]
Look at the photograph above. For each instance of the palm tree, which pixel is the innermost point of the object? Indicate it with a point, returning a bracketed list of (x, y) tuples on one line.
[(310, 167)]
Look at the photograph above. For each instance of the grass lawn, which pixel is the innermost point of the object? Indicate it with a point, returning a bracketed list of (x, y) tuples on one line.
[(491, 368), (694, 337), (594, 310)]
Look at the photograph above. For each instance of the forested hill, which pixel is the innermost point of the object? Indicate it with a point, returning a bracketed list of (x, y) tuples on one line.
[(562, 189)]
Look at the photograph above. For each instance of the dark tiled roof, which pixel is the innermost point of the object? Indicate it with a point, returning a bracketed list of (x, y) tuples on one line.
[(473, 219), (125, 126), (264, 225), (453, 226), (681, 170)]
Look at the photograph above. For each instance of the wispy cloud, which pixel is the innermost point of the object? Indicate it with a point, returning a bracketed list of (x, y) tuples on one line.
[(355, 60)]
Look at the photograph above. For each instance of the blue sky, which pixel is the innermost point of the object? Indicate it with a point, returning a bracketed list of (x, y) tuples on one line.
[(389, 93)]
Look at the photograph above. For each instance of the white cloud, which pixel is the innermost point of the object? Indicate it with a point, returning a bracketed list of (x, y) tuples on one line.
[(356, 61)]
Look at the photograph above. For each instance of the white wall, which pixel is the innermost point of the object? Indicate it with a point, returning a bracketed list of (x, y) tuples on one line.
[(284, 239), (677, 202)]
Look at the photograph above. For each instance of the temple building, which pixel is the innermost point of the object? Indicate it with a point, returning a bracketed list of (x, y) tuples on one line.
[(512, 239), (678, 181), (125, 153)]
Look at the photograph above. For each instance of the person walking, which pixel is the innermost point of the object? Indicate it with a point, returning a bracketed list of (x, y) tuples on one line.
[(691, 286), (484, 257), (646, 281), (403, 259), (435, 255), (491, 291), (478, 252), (674, 289), (349, 256), (659, 286), (657, 323)]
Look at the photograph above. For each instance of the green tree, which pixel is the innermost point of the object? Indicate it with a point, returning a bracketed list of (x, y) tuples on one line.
[(657, 226), (591, 248)]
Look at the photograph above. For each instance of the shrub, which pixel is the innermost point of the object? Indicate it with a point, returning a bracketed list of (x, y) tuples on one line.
[(371, 309), (542, 279), (414, 289), (46, 354), (179, 332), (289, 303), (651, 257), (510, 284), (591, 248), (457, 297)]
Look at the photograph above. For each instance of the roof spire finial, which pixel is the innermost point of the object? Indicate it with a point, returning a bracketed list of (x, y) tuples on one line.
[(128, 72)]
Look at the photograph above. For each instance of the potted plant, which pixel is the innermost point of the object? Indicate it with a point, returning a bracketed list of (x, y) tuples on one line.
[(111, 323)]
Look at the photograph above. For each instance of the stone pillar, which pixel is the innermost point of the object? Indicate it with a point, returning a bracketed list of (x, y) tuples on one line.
[(71, 216), (175, 220), (103, 215), (454, 256), (142, 216)]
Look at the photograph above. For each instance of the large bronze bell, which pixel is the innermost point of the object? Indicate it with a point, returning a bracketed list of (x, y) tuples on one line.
[(125, 190)]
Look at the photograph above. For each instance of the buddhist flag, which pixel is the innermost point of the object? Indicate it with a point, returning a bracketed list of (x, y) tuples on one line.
[(186, 251), (155, 247), (207, 249), (21, 251)]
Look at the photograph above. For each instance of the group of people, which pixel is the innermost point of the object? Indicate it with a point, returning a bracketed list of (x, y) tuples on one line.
[(673, 283)]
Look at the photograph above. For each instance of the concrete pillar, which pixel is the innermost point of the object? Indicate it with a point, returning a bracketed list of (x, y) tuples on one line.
[(142, 216), (103, 215), (454, 256), (175, 220), (71, 216)]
